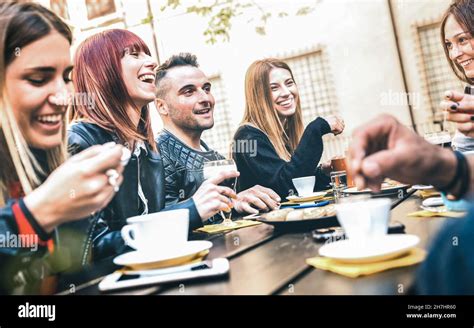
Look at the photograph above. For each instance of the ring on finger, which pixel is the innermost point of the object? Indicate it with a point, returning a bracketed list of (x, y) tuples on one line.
[(113, 176)]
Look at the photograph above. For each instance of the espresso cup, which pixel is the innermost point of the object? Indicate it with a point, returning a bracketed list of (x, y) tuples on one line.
[(304, 185), (157, 232), (364, 221)]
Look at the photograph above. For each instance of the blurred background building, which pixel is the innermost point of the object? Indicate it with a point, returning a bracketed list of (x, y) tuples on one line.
[(356, 58)]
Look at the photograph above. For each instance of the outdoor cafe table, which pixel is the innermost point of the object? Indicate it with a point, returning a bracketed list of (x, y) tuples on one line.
[(266, 262)]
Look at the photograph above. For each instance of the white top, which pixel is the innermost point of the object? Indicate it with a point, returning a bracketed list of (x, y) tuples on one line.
[(139, 146), (462, 142)]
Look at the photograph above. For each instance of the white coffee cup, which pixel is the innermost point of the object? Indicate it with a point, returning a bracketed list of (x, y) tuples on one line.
[(304, 185), (157, 232), (364, 221)]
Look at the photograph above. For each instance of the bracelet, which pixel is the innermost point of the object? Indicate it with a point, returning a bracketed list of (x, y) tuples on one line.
[(465, 179), (462, 173)]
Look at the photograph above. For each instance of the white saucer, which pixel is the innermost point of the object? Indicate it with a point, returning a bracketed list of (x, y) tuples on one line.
[(186, 251), (308, 197), (433, 201), (422, 187), (386, 248)]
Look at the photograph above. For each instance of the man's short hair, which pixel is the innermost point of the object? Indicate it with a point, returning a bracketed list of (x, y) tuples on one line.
[(182, 59)]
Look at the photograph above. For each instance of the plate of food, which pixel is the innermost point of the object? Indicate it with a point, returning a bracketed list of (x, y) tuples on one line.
[(301, 219), (389, 187)]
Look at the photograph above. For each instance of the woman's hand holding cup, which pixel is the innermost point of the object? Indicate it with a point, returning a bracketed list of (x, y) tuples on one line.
[(84, 184)]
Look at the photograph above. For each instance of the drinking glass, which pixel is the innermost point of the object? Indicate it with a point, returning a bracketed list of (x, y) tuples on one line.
[(213, 168), (338, 183)]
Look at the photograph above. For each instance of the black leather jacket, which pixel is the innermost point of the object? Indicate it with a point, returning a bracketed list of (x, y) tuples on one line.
[(148, 168), (183, 166)]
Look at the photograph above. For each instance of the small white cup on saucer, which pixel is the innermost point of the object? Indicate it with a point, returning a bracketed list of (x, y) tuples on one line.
[(304, 185), (364, 221), (157, 232)]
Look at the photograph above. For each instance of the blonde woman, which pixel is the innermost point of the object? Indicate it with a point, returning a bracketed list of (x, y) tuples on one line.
[(271, 147), (457, 28), (38, 192)]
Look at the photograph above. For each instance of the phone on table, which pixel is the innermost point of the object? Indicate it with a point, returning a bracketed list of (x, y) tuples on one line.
[(127, 279), (468, 90), (337, 233)]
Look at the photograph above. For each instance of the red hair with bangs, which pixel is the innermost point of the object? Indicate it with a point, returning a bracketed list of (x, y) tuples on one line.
[(98, 73)]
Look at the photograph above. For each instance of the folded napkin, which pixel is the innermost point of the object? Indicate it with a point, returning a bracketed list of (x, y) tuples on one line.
[(354, 270), (312, 201), (216, 228), (328, 198), (424, 194), (429, 214)]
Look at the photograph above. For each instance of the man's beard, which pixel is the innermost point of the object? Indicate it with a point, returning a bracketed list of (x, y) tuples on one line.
[(195, 126), (191, 123)]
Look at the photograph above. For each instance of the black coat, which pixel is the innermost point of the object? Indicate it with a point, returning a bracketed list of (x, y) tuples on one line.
[(148, 167), (259, 163)]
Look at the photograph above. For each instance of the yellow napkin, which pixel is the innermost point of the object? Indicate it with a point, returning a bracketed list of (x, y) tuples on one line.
[(429, 214), (310, 202), (354, 270), (216, 228), (428, 193), (328, 198)]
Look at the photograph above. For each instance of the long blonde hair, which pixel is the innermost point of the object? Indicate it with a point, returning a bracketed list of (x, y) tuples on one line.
[(20, 25), (260, 112)]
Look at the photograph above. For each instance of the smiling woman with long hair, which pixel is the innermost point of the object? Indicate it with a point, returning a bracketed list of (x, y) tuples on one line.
[(457, 30), (273, 122), (36, 180), (112, 68)]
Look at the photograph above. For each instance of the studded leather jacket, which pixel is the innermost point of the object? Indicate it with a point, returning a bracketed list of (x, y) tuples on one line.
[(183, 166)]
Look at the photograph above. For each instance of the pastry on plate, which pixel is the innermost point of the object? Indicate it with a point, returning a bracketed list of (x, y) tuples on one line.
[(277, 215)]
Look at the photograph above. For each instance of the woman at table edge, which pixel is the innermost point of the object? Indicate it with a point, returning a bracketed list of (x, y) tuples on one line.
[(37, 182)]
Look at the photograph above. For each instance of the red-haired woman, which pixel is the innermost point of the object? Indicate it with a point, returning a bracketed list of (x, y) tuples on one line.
[(116, 70)]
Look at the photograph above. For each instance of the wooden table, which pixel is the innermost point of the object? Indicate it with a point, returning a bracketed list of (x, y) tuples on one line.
[(265, 262)]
